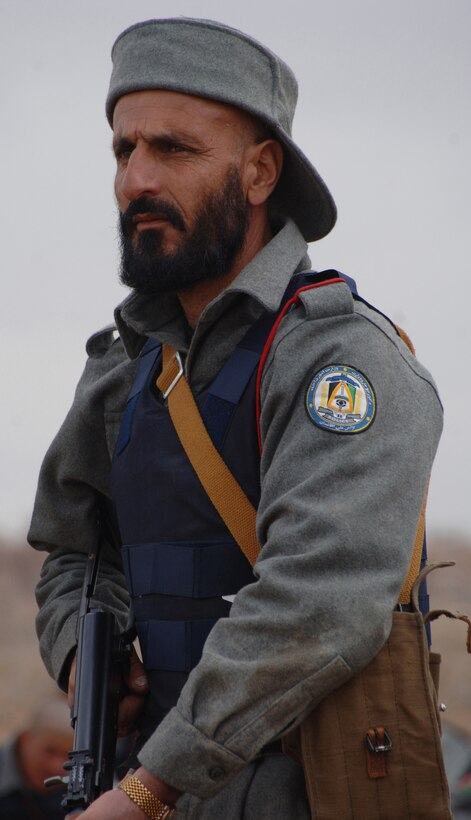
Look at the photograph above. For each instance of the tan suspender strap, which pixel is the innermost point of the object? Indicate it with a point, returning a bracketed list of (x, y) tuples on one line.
[(222, 488), (405, 338), (414, 566)]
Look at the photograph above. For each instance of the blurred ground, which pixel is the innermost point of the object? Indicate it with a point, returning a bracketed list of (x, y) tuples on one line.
[(450, 588), (23, 679)]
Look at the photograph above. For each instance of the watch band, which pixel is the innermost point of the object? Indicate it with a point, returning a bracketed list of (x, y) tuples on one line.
[(152, 806)]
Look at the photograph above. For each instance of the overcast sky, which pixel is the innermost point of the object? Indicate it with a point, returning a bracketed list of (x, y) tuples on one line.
[(385, 115)]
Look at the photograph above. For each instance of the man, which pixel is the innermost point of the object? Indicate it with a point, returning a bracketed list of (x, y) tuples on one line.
[(34, 754), (216, 205)]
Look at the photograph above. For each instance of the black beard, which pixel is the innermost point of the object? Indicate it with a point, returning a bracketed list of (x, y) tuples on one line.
[(208, 252)]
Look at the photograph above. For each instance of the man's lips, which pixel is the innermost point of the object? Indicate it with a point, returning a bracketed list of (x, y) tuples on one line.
[(142, 222)]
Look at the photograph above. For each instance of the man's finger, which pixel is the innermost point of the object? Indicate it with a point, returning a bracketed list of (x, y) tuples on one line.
[(136, 677), (71, 688), (130, 708)]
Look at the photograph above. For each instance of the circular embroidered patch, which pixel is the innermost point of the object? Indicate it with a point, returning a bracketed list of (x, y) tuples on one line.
[(340, 399)]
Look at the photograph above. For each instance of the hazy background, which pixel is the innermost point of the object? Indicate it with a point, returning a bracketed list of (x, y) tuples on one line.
[(385, 115)]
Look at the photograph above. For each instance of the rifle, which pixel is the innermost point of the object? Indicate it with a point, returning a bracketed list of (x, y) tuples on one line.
[(102, 658)]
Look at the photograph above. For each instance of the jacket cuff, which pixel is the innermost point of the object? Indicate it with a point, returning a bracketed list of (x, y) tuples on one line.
[(180, 755), (63, 652)]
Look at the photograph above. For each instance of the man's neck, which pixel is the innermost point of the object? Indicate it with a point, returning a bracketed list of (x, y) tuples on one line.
[(194, 299)]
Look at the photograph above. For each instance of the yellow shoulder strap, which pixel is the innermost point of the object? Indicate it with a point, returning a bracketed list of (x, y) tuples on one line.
[(222, 488)]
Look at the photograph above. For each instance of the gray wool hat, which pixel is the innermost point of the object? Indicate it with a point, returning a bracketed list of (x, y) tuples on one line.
[(208, 59)]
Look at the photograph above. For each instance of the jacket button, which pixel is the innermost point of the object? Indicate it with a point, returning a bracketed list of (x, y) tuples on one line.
[(216, 772)]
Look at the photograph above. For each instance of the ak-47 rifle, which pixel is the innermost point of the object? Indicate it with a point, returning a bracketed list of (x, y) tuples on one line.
[(102, 657)]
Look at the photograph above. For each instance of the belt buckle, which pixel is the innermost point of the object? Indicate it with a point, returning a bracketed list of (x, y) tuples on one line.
[(380, 742)]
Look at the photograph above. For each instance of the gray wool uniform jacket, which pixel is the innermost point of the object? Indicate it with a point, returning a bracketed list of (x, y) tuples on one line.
[(336, 522)]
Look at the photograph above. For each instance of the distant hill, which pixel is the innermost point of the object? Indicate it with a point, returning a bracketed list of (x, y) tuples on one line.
[(23, 678)]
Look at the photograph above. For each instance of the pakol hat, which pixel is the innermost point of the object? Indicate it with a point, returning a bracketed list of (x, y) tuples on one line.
[(208, 59)]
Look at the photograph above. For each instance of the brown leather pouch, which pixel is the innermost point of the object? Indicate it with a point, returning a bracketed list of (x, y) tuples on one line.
[(371, 750)]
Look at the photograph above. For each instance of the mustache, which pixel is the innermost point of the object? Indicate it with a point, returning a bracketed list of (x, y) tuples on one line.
[(150, 205)]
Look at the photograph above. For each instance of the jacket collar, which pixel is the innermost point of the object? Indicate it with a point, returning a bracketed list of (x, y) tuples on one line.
[(262, 282)]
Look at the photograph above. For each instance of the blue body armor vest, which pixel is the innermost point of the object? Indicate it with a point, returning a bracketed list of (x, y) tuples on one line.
[(179, 558)]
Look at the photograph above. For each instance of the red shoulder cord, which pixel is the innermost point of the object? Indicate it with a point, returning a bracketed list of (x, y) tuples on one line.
[(289, 304)]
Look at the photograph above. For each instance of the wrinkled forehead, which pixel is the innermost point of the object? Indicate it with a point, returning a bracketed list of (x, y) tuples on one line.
[(160, 109)]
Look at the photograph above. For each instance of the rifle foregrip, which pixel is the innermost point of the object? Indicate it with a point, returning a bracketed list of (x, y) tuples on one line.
[(94, 713)]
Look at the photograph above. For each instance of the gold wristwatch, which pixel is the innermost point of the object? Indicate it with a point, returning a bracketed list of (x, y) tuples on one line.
[(152, 807)]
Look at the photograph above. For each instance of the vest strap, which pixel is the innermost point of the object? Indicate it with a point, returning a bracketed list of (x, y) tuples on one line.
[(147, 360), (197, 569), (222, 488), (173, 646)]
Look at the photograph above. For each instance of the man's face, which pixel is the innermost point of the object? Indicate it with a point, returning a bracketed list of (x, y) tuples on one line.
[(42, 754), (179, 187)]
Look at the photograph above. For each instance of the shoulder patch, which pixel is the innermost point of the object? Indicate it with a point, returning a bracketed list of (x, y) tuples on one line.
[(101, 341), (340, 399)]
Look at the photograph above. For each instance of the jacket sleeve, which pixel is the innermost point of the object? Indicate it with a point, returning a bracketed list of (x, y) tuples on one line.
[(73, 484), (336, 523)]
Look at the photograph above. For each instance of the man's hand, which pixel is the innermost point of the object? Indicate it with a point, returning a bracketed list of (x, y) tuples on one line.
[(132, 703), (116, 805), (113, 805)]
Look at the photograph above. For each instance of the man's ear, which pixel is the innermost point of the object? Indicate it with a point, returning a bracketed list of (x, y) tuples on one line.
[(263, 169)]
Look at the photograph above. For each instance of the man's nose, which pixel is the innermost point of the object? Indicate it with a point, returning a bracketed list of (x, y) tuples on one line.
[(141, 177)]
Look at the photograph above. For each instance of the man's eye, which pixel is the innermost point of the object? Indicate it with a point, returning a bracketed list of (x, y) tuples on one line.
[(174, 148), (122, 154)]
